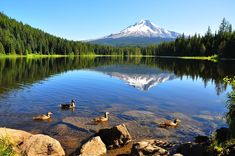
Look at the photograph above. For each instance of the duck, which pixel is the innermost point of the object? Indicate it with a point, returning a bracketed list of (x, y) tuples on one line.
[(169, 123), (102, 118), (43, 116), (68, 105)]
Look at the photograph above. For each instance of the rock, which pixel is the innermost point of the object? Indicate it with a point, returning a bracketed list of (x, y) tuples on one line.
[(222, 134), (231, 151), (31, 145), (16, 136), (202, 139), (143, 131), (122, 151), (148, 148), (206, 117), (140, 114), (69, 136), (193, 149), (94, 147), (162, 132), (42, 145), (115, 137)]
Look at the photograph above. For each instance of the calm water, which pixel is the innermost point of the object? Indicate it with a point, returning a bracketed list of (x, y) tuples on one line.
[(138, 92)]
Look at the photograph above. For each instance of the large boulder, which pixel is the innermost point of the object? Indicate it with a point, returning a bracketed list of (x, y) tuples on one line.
[(31, 145), (15, 136), (115, 137), (94, 147), (149, 148)]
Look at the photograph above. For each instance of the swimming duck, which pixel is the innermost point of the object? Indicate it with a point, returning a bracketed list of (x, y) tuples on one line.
[(169, 123), (102, 118), (68, 105), (43, 116)]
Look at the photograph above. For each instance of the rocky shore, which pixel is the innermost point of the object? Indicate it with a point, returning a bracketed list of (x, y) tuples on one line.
[(118, 139)]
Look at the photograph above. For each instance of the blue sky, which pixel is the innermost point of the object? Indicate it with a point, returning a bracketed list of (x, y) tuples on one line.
[(88, 19)]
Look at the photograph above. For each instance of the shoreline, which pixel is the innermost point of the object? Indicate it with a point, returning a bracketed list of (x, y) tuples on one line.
[(215, 143), (208, 58)]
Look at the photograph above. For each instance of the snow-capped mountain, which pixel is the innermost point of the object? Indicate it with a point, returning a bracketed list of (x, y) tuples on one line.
[(143, 32), (145, 28)]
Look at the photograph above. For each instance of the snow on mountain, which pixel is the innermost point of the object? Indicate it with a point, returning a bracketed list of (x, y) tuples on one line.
[(142, 33), (140, 76), (144, 82), (144, 28)]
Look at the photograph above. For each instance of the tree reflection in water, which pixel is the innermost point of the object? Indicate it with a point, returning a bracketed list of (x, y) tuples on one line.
[(14, 72), (230, 116)]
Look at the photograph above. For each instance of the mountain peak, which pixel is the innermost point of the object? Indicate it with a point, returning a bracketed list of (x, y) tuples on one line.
[(142, 21), (145, 28), (143, 32)]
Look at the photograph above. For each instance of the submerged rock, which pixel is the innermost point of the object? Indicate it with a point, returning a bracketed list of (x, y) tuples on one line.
[(149, 148), (69, 136), (140, 114), (115, 137), (42, 145), (94, 147)]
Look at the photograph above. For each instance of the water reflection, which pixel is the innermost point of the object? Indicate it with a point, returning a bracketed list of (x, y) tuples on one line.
[(140, 92), (17, 72), (137, 76)]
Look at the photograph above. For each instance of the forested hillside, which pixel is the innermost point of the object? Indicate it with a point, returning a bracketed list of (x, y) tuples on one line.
[(221, 43), (19, 38), (22, 39)]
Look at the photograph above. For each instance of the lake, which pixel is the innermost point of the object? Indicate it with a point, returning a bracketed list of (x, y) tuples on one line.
[(140, 92)]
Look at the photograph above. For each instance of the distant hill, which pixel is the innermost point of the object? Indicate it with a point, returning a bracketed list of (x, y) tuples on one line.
[(142, 33)]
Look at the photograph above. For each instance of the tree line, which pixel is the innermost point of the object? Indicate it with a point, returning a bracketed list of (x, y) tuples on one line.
[(22, 39), (221, 43), (16, 71)]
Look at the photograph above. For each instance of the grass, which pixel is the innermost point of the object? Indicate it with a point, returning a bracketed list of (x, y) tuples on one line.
[(221, 149), (30, 56), (6, 147), (213, 58)]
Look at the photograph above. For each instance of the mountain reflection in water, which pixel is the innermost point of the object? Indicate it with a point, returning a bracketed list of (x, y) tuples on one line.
[(137, 76)]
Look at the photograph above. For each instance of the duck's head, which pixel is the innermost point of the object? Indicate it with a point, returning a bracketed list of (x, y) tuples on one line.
[(106, 114), (73, 101), (177, 121), (49, 113)]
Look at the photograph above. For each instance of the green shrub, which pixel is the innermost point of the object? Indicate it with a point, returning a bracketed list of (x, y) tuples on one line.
[(6, 147)]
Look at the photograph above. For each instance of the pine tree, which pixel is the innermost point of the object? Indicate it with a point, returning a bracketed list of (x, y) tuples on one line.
[(2, 50)]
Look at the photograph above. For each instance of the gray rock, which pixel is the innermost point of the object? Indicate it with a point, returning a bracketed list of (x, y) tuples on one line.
[(94, 147), (149, 148), (115, 137)]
